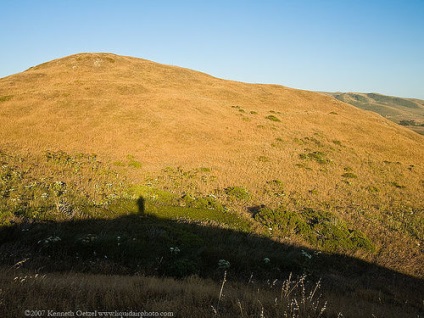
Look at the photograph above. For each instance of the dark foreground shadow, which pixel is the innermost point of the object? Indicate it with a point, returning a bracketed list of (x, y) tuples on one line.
[(146, 245)]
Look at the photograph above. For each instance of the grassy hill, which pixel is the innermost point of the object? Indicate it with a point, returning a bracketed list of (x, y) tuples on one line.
[(118, 165), (408, 112)]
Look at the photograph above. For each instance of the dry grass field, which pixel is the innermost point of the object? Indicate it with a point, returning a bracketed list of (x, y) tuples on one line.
[(298, 168)]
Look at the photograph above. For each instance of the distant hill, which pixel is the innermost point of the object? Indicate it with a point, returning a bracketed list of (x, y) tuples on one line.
[(408, 112), (251, 145)]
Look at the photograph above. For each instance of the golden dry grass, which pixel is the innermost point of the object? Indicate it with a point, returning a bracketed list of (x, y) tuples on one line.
[(165, 116), (190, 297)]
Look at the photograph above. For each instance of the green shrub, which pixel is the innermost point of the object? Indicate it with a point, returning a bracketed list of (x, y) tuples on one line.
[(373, 189), (133, 163), (318, 228), (317, 156), (5, 98), (201, 202), (238, 193), (273, 118), (408, 123), (350, 175), (263, 159), (287, 222), (397, 185), (337, 142)]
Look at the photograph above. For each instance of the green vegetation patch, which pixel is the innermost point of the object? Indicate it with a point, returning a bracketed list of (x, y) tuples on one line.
[(318, 228), (5, 98), (75, 186), (239, 193), (406, 122), (274, 188), (241, 110), (337, 142), (273, 118), (316, 156), (349, 175), (195, 208), (313, 140), (264, 159), (397, 185), (131, 162)]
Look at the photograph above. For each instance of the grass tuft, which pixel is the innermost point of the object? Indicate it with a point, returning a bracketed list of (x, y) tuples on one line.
[(273, 118)]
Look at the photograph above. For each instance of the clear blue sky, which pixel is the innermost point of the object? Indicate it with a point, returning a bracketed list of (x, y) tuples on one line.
[(328, 45)]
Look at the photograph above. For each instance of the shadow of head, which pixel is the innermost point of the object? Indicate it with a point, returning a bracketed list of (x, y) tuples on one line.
[(141, 202)]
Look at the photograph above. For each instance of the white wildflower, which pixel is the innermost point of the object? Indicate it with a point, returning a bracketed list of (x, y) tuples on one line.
[(306, 254), (174, 250), (223, 264)]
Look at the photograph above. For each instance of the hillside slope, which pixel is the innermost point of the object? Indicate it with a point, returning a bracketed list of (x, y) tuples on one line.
[(286, 148), (405, 111)]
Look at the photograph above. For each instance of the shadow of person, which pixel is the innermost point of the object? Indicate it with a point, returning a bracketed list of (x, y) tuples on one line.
[(141, 202)]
